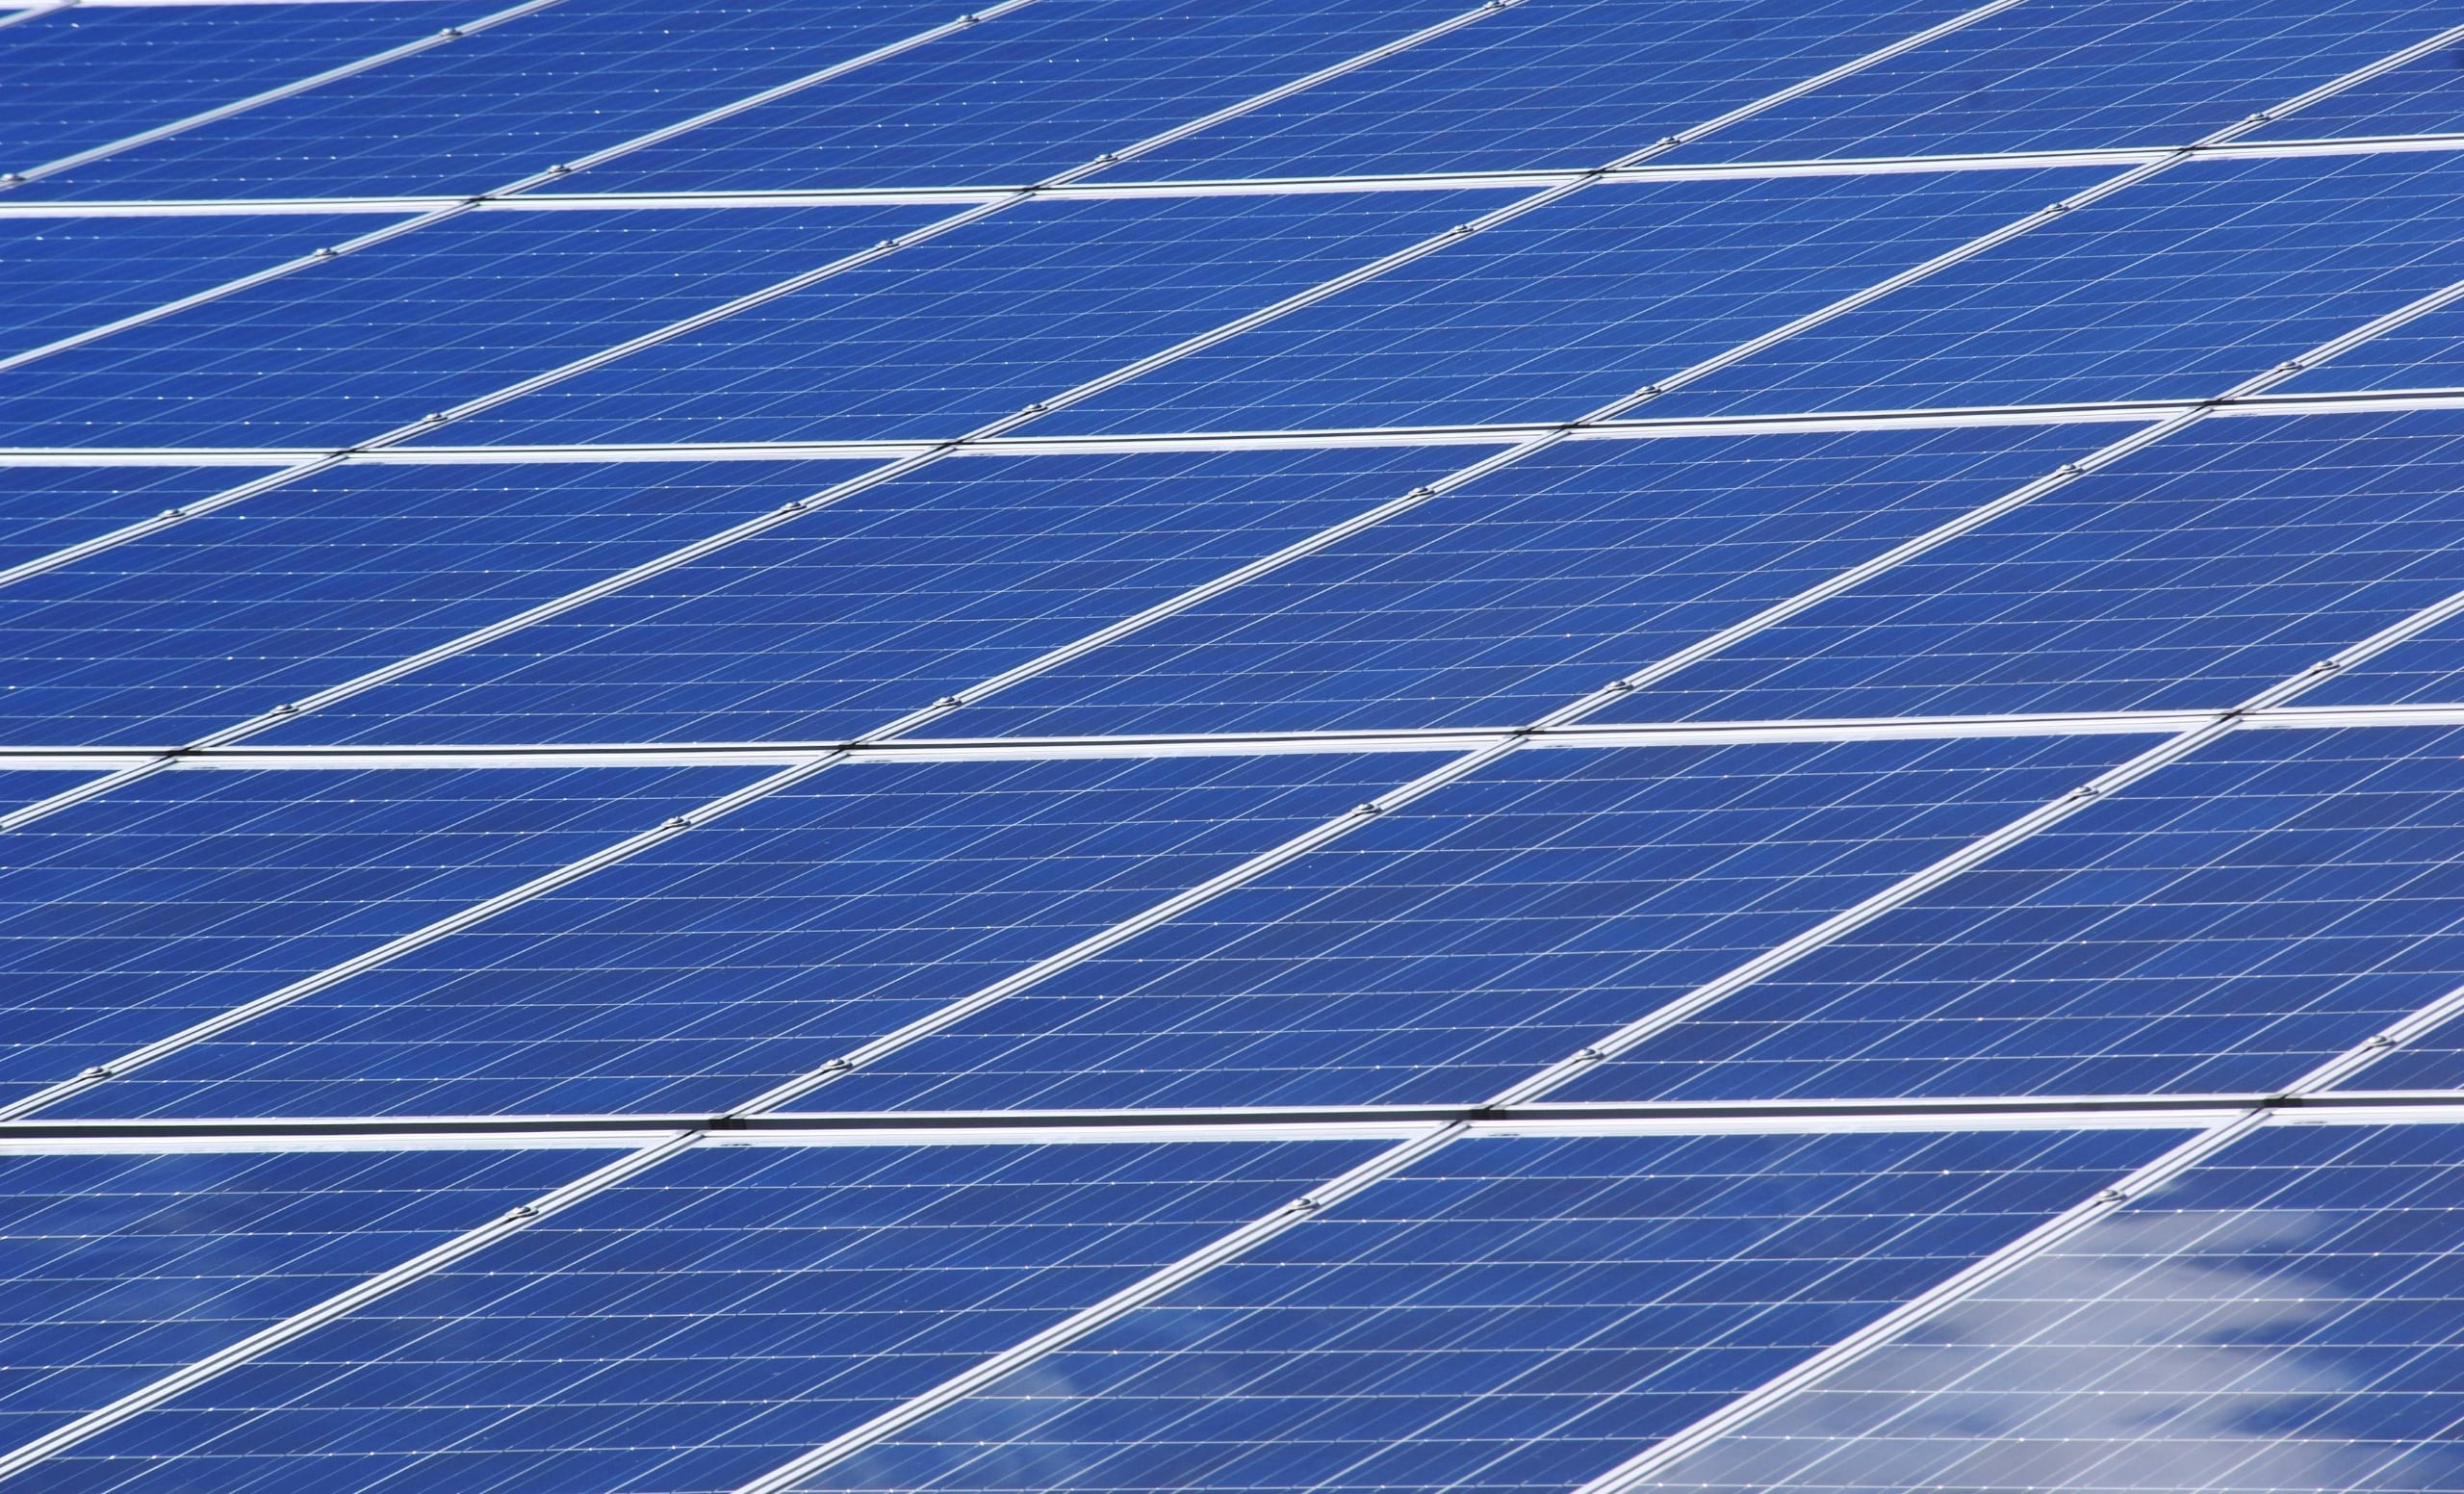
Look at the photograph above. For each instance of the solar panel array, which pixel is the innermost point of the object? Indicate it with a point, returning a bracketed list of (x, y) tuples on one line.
[(1331, 745)]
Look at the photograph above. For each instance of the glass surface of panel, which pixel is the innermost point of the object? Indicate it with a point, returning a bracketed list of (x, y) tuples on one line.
[(2422, 97), (44, 509), (692, 1327), (163, 639), (1452, 947), (2223, 925), (116, 1269), (1510, 1314), (2287, 1314), (875, 607), (128, 917), (701, 973)]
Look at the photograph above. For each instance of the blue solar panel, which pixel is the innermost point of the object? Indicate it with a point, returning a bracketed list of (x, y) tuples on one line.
[(2426, 353), (2190, 575), (273, 877), (2226, 924), (2176, 288), (699, 975), (1545, 83), (44, 509), (219, 618), (1041, 90), (2418, 98), (1513, 1314), (885, 601), (2078, 74), (690, 1329), (2282, 1317), (1577, 304), (1504, 598), (504, 103), (343, 351), (83, 80), (1448, 949), (971, 326), (121, 1268)]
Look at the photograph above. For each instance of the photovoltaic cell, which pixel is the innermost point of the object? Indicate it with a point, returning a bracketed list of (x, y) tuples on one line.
[(1547, 83), (1504, 600), (83, 80), (966, 328), (1583, 301), (882, 603), (2223, 925), (1511, 1314), (122, 1269), (69, 275), (2283, 1316), (693, 1326), (1448, 948), (344, 350), (2179, 288), (164, 639), (2187, 575), (2419, 98), (48, 508), (1024, 95), (700, 974), (128, 917), (2079, 74), (506, 102), (2426, 353)]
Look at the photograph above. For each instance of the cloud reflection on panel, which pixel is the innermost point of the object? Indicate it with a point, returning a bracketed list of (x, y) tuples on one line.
[(2216, 1350)]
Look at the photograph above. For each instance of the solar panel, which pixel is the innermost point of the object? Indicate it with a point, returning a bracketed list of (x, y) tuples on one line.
[(1105, 746)]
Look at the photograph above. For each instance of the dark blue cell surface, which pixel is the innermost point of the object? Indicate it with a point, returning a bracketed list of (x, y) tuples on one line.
[(69, 276), (2286, 1315), (342, 351), (1513, 1314), (2193, 574), (81, 80), (128, 917), (2426, 668), (504, 103), (2425, 96), (696, 1325), (121, 1268), (2225, 924), (1584, 301), (1454, 947), (758, 947), (958, 330), (1508, 598), (2179, 288), (213, 621), (44, 510), (2079, 74), (865, 611), (1021, 96), (1543, 84)]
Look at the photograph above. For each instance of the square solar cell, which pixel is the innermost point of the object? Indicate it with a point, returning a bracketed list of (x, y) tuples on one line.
[(506, 102), (1511, 1314), (689, 1328), (2225, 924), (44, 510), (121, 1266), (2190, 575), (344, 350), (862, 613), (83, 80), (1564, 84), (213, 621), (128, 917), (2080, 75), (1024, 95), (697, 975), (941, 338), (2286, 1316), (2179, 288), (1584, 301), (1448, 949), (1505, 598)]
